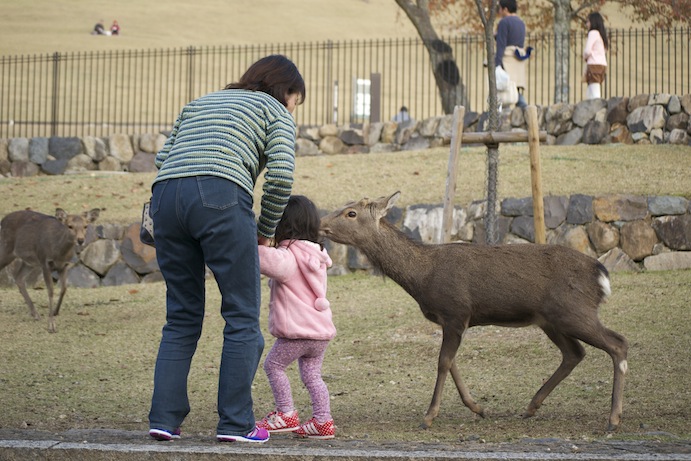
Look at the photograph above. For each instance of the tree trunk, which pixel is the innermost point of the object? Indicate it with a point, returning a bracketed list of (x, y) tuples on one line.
[(446, 73), (562, 44), (493, 125)]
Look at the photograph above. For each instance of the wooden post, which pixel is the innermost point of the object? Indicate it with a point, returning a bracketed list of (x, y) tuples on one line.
[(452, 173), (536, 175), (493, 138)]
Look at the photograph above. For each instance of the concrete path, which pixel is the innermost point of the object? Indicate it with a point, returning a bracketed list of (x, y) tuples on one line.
[(115, 445)]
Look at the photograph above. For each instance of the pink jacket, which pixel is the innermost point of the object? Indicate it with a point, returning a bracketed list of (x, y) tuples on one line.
[(594, 50), (298, 308)]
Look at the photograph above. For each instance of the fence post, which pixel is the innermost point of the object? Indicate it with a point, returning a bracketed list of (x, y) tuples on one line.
[(190, 73), (375, 98), (54, 100)]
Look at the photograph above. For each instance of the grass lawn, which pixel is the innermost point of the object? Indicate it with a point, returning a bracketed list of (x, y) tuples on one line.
[(96, 372)]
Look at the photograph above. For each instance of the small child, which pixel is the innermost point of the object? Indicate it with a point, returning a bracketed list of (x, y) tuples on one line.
[(299, 318)]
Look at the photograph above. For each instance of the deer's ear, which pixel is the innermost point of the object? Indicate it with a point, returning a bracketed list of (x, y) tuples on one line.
[(384, 204), (60, 214), (92, 215), (391, 200)]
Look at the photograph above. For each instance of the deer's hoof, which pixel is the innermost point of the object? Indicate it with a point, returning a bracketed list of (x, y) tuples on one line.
[(425, 425), (611, 427), (528, 414)]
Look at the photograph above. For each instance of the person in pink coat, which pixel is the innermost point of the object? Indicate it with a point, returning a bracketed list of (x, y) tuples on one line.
[(594, 55), (299, 318)]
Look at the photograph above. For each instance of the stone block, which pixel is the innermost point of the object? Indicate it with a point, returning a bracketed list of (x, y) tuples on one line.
[(637, 239), (620, 207), (603, 236), (680, 260), (616, 260), (64, 148), (580, 209), (674, 231)]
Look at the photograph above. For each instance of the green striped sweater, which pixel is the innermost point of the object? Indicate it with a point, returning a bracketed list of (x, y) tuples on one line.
[(235, 134)]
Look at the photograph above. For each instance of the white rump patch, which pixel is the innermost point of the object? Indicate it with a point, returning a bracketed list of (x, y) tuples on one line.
[(604, 284), (624, 366)]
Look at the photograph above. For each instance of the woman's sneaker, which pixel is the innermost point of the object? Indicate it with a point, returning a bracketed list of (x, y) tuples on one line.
[(257, 435), (278, 421), (313, 429), (164, 435)]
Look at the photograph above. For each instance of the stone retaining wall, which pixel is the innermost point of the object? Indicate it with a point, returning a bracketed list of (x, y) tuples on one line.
[(625, 232), (657, 118)]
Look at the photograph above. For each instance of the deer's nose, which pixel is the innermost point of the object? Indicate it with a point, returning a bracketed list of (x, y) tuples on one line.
[(80, 241)]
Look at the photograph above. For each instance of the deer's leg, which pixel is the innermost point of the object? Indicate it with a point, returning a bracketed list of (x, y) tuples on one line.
[(449, 345), (20, 273), (572, 353), (6, 254), (62, 280), (617, 347), (463, 391), (48, 279)]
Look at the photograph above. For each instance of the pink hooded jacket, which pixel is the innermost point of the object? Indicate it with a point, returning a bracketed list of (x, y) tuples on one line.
[(298, 308)]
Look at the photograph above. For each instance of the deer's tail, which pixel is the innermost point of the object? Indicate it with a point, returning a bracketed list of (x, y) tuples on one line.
[(603, 280)]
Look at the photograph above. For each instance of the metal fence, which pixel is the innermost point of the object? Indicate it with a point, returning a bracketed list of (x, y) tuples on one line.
[(100, 93)]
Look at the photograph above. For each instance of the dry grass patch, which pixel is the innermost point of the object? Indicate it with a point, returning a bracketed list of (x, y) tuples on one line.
[(331, 181)]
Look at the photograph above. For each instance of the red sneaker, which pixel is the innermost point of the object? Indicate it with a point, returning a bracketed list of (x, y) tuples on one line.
[(278, 421), (313, 429)]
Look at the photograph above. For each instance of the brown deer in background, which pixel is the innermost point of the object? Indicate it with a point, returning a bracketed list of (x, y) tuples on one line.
[(459, 286), (48, 242)]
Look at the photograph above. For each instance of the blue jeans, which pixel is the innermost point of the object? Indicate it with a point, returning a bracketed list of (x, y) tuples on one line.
[(205, 220)]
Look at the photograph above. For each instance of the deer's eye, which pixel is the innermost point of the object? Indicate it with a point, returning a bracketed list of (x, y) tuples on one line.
[(352, 214)]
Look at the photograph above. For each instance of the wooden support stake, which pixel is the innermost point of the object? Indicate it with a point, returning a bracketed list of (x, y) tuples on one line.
[(536, 175), (497, 137), (452, 173), (458, 137)]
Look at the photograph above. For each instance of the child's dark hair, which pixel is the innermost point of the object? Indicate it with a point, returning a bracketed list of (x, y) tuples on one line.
[(300, 221)]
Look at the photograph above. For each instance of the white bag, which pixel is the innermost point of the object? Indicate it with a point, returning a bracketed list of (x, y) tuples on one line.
[(502, 78), (507, 92), (508, 96)]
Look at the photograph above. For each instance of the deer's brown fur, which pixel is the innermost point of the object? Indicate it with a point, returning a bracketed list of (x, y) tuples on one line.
[(47, 242), (458, 286)]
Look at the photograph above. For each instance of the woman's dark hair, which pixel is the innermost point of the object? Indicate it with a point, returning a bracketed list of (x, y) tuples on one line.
[(275, 75), (300, 221), (598, 23)]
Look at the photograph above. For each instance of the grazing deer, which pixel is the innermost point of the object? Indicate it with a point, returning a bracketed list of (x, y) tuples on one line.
[(39, 240), (459, 286)]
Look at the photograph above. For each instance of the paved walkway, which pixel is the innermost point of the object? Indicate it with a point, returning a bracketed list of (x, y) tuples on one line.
[(115, 445)]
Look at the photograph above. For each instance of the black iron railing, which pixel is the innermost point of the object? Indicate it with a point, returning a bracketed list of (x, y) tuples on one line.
[(100, 93)]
